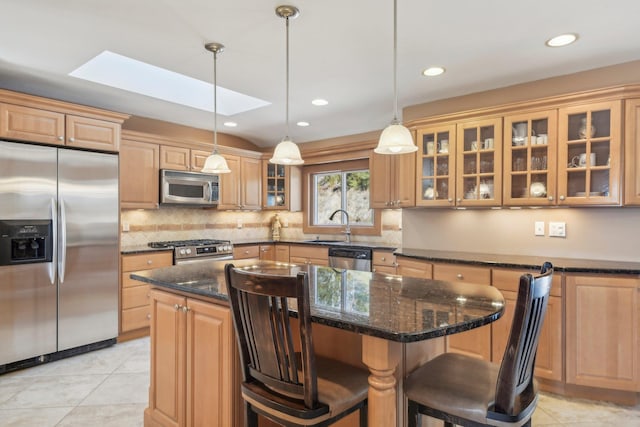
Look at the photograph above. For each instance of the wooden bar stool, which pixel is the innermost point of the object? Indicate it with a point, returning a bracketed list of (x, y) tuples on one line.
[(287, 387), (466, 391)]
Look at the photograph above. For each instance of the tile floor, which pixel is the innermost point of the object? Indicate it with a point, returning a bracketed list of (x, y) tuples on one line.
[(109, 388)]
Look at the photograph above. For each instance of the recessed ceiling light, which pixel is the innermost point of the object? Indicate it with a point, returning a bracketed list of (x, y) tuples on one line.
[(562, 40), (128, 74), (230, 124), (303, 124), (433, 71), (319, 102)]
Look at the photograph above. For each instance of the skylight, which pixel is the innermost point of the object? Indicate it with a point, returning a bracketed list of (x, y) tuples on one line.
[(128, 74)]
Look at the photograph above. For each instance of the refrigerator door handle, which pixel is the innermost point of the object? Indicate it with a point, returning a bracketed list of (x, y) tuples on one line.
[(63, 241), (54, 232)]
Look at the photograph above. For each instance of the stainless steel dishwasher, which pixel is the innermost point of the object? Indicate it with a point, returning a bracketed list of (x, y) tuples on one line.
[(350, 258)]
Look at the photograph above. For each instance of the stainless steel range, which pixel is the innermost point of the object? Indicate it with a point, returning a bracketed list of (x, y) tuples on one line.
[(190, 251)]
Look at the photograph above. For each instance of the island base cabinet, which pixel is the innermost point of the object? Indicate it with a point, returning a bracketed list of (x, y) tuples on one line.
[(191, 363), (602, 332)]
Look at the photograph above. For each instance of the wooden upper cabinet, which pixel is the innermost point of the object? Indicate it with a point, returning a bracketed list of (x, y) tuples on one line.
[(175, 158), (435, 167), (392, 180), (632, 153), (31, 124), (479, 163), (93, 134), (590, 154), (281, 187), (139, 174), (242, 188), (530, 154), (198, 158)]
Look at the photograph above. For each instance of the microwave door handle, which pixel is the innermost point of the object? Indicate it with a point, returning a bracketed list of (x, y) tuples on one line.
[(210, 191), (54, 236)]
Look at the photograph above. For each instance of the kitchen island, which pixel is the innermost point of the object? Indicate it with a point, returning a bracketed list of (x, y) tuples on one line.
[(391, 322)]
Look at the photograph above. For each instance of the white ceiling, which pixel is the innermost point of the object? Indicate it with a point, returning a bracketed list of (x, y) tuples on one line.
[(340, 51)]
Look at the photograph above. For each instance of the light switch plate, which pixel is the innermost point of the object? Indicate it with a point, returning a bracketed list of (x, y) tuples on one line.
[(558, 229), (539, 228)]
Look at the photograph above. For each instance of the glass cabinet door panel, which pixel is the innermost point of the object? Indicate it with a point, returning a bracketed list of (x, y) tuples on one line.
[(530, 159), (435, 166), (589, 154), (274, 186), (479, 163)]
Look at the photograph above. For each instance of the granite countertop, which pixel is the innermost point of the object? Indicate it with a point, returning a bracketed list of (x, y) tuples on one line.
[(138, 249), (392, 307), (319, 242), (568, 265)]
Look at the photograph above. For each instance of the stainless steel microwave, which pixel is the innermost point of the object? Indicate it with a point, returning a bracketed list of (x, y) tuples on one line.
[(189, 188)]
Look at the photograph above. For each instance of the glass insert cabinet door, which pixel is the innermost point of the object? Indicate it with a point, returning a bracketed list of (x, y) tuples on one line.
[(589, 151), (275, 183), (530, 159), (436, 166), (479, 163)]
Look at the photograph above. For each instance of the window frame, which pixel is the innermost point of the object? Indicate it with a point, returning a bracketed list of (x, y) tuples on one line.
[(307, 194)]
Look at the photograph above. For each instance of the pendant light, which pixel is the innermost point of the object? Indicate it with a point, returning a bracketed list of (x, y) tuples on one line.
[(287, 152), (215, 163), (395, 138)]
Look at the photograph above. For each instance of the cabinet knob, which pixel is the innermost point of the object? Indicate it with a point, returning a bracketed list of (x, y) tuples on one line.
[(149, 316), (458, 200), (383, 259), (562, 197), (149, 262), (185, 309), (459, 276), (72, 139), (550, 198), (61, 138), (373, 270), (450, 200), (177, 306)]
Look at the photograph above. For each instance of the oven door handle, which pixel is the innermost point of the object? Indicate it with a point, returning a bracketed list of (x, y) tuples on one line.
[(203, 259)]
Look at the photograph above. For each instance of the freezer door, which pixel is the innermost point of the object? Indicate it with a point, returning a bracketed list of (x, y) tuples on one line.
[(27, 292), (88, 251)]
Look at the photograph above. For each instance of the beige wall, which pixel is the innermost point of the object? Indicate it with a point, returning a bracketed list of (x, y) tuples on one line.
[(592, 233)]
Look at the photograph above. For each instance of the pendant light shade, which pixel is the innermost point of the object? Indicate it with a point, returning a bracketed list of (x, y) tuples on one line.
[(395, 138), (215, 163), (287, 152)]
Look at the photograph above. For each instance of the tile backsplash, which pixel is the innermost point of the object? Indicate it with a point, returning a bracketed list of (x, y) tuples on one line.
[(175, 223)]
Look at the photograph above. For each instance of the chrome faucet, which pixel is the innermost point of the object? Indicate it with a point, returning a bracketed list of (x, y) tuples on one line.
[(347, 230)]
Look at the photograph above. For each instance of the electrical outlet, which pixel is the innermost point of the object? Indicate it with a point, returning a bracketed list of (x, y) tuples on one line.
[(286, 223), (239, 223), (539, 228), (558, 229), (125, 226)]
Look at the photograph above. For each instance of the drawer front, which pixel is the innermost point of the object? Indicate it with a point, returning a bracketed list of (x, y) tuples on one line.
[(309, 251), (136, 318), (462, 273), (136, 296), (384, 269), (137, 262), (508, 280), (244, 252), (384, 258), (282, 253), (414, 268)]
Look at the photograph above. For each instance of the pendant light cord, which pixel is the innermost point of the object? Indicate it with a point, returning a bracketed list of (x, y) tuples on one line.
[(287, 79), (395, 61), (215, 103)]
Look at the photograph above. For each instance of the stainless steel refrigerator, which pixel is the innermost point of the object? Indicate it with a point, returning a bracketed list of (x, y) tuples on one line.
[(59, 252)]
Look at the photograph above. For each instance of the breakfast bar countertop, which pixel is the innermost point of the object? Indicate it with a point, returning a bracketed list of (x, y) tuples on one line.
[(390, 307)]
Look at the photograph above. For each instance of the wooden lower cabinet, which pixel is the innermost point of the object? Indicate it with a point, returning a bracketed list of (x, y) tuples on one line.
[(308, 254), (413, 267), (384, 262), (192, 363), (282, 253), (550, 350), (602, 331), (135, 316), (476, 342)]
